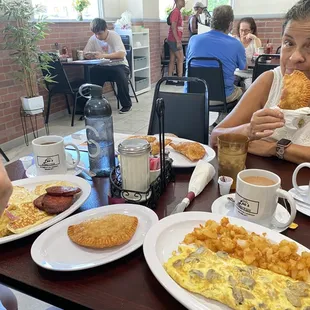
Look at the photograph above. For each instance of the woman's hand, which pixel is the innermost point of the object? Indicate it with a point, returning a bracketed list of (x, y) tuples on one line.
[(262, 148), (264, 122), (251, 36)]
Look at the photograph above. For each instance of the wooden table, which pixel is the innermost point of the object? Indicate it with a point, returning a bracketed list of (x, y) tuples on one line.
[(127, 283)]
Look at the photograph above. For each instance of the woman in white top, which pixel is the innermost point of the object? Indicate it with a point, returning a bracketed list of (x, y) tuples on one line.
[(247, 34), (255, 115)]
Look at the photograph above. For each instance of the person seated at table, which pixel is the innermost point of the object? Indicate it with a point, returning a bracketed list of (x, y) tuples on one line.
[(195, 19), (255, 115), (217, 43), (247, 34), (105, 43), (8, 300)]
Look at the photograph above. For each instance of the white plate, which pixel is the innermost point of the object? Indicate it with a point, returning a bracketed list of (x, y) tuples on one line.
[(302, 208), (165, 237), (55, 251), (180, 161), (225, 207), (30, 184), (31, 172)]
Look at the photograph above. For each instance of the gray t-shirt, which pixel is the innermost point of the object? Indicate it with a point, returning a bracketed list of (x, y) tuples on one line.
[(112, 44)]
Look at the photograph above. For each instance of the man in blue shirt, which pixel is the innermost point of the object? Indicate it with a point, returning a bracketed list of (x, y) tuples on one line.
[(217, 43)]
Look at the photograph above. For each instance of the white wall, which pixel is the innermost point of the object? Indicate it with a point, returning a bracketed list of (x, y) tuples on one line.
[(262, 7), (111, 8), (150, 9)]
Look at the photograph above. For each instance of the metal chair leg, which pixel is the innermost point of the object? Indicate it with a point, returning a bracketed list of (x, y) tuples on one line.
[(134, 93), (3, 154), (68, 104), (48, 108), (112, 85), (74, 108)]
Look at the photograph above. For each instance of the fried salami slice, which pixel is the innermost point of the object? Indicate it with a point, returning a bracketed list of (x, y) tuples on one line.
[(63, 191), (39, 202), (56, 204)]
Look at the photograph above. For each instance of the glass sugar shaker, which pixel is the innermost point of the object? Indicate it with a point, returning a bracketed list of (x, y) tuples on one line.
[(135, 164)]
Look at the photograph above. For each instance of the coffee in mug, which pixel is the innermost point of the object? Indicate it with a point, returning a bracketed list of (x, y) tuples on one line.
[(256, 180), (50, 156), (257, 195)]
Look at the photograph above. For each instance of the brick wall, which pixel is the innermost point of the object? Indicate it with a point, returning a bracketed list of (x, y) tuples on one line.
[(75, 35), (72, 35)]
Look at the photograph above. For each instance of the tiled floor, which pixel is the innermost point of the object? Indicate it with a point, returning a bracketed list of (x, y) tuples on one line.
[(136, 122)]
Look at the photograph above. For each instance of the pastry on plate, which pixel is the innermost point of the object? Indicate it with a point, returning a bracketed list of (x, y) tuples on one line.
[(295, 92), (194, 151), (108, 231), (156, 147)]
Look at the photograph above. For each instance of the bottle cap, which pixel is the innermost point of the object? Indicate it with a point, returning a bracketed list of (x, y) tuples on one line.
[(96, 91), (134, 147)]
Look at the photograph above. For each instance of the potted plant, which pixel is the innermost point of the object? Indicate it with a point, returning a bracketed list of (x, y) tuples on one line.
[(80, 6), (186, 13), (168, 10), (22, 35)]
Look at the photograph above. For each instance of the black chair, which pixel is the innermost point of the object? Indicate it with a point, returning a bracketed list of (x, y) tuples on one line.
[(186, 115), (4, 155), (165, 58), (265, 63), (61, 85), (215, 80), (128, 48), (125, 39)]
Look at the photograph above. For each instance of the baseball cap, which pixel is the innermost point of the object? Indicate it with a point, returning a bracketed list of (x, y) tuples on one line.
[(199, 5)]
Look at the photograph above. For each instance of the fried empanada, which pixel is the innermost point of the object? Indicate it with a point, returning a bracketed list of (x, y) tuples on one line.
[(106, 232), (295, 91), (194, 151), (156, 147)]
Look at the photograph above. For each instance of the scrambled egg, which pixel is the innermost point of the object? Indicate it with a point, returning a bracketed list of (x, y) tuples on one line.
[(21, 214), (233, 283)]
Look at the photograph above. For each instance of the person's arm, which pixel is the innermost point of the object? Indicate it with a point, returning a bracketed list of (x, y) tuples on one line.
[(116, 55), (193, 24), (294, 153), (249, 117), (257, 41), (241, 56), (6, 188), (92, 49), (118, 47), (174, 20)]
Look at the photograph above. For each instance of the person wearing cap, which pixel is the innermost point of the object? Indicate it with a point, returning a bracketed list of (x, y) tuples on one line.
[(195, 19)]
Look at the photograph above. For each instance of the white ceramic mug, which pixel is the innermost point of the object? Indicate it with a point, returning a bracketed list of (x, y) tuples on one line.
[(50, 156), (258, 203), (304, 192)]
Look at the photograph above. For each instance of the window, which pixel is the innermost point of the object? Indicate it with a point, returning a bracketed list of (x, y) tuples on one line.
[(63, 9), (166, 4), (212, 4)]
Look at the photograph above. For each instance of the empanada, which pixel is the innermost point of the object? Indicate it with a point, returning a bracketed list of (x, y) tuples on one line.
[(192, 150), (295, 92), (105, 232)]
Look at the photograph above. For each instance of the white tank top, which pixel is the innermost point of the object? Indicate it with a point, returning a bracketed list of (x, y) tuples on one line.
[(297, 123)]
